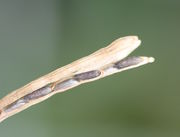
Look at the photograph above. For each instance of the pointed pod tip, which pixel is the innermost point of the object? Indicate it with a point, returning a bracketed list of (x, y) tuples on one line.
[(148, 59), (151, 59)]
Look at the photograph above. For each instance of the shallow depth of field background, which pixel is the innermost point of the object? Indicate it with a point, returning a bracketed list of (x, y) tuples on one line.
[(38, 36)]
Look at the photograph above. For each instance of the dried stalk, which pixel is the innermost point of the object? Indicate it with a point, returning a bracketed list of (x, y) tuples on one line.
[(104, 62)]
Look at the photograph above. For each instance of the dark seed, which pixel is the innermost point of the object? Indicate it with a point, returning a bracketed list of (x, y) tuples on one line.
[(38, 93), (87, 75), (130, 61)]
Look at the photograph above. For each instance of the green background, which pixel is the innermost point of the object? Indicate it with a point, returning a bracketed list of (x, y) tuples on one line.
[(39, 36)]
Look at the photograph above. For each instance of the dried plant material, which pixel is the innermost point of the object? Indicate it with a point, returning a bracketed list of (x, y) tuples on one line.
[(104, 62)]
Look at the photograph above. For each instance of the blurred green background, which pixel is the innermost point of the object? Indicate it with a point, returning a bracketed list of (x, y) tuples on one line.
[(39, 36)]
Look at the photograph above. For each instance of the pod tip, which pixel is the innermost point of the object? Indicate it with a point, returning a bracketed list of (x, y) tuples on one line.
[(151, 59)]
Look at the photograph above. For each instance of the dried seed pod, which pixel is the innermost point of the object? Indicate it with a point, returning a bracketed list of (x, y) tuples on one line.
[(102, 63)]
